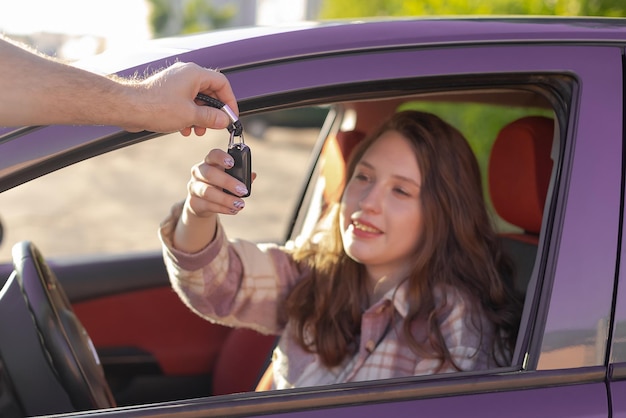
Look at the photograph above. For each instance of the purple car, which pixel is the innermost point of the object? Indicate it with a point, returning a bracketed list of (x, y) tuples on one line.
[(89, 325)]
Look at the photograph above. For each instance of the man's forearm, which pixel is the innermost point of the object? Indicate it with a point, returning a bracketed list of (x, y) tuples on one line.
[(39, 90)]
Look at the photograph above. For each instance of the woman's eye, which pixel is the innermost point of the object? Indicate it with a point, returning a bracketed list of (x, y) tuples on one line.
[(361, 176), (401, 191)]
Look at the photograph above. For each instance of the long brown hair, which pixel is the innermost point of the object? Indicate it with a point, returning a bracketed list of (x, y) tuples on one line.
[(458, 248)]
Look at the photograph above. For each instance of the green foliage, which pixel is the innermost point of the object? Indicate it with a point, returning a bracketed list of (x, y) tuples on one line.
[(333, 9), (159, 14), (188, 16), (201, 15), (613, 8)]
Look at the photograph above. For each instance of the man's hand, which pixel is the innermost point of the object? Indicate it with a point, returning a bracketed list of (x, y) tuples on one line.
[(167, 100)]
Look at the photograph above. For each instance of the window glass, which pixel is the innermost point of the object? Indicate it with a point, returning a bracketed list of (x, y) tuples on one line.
[(114, 203)]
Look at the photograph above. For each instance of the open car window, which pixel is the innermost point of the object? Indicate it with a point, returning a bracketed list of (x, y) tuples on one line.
[(512, 117), (113, 204)]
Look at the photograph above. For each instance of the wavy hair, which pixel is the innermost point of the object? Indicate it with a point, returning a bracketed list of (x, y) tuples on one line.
[(457, 248)]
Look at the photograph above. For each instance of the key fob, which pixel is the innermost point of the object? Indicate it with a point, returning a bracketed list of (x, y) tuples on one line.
[(242, 170)]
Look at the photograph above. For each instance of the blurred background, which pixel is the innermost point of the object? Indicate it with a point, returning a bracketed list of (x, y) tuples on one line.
[(75, 29)]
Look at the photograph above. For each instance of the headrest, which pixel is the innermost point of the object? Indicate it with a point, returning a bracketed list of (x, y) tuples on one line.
[(335, 157), (519, 171)]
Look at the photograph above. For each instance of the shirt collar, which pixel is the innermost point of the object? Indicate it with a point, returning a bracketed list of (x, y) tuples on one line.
[(398, 297)]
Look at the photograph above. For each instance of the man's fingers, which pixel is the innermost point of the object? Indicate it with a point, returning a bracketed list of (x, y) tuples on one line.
[(217, 85), (209, 117)]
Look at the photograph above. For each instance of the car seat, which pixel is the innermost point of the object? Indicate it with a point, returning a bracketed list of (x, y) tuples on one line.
[(520, 166), (244, 355)]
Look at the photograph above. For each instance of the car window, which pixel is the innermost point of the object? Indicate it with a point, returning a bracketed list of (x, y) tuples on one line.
[(114, 203)]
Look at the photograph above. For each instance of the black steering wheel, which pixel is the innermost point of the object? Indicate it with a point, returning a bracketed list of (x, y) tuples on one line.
[(70, 350)]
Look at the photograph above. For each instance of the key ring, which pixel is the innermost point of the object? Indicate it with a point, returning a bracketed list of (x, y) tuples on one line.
[(235, 128), (231, 140)]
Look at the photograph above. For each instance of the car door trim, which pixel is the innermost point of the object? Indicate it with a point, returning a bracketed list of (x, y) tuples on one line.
[(391, 390)]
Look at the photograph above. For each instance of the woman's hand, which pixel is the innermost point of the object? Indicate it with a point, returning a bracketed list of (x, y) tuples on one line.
[(205, 199), (206, 194)]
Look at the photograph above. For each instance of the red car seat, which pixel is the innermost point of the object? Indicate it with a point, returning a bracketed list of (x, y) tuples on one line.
[(520, 166), (243, 357)]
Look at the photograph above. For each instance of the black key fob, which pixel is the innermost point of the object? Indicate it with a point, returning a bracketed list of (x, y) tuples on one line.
[(242, 170)]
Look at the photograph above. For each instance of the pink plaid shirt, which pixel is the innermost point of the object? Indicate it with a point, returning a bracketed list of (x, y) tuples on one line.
[(241, 284)]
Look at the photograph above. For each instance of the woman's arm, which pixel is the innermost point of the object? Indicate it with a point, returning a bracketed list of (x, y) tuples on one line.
[(235, 283), (38, 90)]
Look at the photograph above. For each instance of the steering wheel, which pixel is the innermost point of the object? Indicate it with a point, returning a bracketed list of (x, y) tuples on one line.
[(70, 350)]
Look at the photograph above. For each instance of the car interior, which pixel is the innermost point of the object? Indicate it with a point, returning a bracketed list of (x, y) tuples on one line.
[(518, 154)]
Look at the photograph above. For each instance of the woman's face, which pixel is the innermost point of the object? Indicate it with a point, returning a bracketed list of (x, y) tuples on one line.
[(381, 214)]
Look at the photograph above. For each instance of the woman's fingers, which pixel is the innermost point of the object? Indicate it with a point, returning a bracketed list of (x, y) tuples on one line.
[(207, 184), (220, 158), (213, 201)]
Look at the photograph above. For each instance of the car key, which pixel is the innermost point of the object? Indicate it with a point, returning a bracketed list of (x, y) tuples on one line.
[(242, 169), (240, 152)]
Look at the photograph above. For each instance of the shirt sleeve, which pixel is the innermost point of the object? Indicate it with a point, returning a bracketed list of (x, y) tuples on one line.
[(235, 283)]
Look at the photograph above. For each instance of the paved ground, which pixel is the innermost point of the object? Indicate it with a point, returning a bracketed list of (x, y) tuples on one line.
[(102, 205)]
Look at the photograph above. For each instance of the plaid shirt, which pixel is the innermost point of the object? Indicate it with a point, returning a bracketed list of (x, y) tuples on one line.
[(241, 284)]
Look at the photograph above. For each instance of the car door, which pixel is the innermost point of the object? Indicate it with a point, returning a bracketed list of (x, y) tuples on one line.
[(617, 365), (561, 354)]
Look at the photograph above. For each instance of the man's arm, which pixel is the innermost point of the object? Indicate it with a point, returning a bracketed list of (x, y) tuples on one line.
[(38, 90)]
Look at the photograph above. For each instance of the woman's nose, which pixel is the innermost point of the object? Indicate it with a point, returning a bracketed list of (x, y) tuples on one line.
[(370, 199)]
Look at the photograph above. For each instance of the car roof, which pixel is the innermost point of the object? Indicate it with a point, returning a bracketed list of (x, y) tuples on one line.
[(245, 47)]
